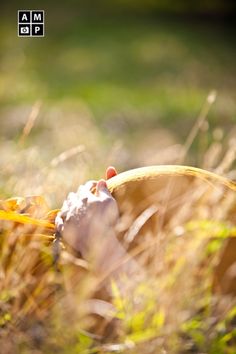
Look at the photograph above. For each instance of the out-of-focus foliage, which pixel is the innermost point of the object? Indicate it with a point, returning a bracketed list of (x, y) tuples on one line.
[(46, 305), (119, 89), (107, 85)]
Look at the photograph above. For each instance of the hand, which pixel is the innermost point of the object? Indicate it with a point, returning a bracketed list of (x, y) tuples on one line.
[(88, 215), (87, 223)]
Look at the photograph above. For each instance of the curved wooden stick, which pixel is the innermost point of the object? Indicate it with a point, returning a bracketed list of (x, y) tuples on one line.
[(153, 172), (171, 187)]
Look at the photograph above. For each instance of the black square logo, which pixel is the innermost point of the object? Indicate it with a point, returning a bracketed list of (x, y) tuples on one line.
[(31, 23), (37, 30), (24, 30), (37, 16), (24, 16)]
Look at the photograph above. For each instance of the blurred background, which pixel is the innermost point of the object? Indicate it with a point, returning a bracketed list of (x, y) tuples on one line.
[(117, 82)]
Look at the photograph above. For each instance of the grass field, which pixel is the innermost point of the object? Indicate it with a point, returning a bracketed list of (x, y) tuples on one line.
[(125, 92), (126, 78)]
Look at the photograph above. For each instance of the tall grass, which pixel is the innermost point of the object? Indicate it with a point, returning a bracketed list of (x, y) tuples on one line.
[(62, 307)]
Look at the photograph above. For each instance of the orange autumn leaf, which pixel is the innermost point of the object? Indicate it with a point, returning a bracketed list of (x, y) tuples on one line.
[(23, 219)]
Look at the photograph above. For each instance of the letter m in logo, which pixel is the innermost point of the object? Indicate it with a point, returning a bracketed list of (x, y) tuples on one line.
[(37, 17)]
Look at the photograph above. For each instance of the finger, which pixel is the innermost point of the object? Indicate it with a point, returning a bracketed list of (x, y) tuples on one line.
[(102, 190), (86, 190), (59, 222), (89, 185), (110, 172)]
